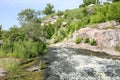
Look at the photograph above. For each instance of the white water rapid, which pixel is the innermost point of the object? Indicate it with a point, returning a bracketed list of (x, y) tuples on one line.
[(72, 65)]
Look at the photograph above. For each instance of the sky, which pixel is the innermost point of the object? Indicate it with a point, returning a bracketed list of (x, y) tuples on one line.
[(10, 8)]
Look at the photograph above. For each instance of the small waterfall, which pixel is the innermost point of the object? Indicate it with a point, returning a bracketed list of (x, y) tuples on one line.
[(72, 65)]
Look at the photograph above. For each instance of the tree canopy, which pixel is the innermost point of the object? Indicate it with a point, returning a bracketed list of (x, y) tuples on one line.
[(48, 9), (88, 2), (28, 15)]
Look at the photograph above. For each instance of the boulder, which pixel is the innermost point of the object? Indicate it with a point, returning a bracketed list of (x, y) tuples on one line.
[(33, 69), (51, 20)]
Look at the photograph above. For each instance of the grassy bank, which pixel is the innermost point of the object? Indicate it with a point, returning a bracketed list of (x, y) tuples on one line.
[(16, 69)]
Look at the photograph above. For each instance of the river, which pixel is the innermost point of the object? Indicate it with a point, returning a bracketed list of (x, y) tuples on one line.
[(79, 64)]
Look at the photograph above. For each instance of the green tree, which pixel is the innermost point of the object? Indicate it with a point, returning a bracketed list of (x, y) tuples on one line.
[(28, 15), (88, 2), (48, 9)]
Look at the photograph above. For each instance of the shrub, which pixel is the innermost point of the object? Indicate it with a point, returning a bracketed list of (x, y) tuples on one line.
[(97, 18), (86, 40), (117, 47), (93, 42), (78, 40), (10, 64), (59, 13)]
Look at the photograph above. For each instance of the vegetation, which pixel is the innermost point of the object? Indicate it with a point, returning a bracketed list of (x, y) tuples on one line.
[(79, 18), (48, 9), (78, 40), (24, 75), (86, 40), (26, 41), (93, 42), (115, 0), (88, 2), (28, 15), (42, 65), (29, 40), (15, 68), (9, 64), (117, 47)]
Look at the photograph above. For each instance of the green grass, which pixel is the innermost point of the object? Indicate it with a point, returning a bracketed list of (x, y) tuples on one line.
[(25, 75), (16, 69), (9, 64), (93, 42), (86, 40), (78, 40), (117, 47)]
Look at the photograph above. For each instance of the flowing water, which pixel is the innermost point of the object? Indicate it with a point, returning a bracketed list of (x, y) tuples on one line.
[(72, 64)]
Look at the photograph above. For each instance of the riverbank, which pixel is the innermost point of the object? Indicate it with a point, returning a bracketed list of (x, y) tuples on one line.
[(19, 69), (70, 44)]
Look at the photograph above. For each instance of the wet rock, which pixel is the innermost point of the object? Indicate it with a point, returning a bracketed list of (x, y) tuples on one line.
[(110, 72), (117, 71), (3, 72)]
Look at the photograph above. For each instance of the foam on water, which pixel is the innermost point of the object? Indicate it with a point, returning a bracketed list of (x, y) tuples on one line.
[(73, 66)]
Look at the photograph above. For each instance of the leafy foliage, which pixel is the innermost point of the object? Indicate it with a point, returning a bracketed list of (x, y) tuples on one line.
[(48, 9), (23, 42), (88, 2), (117, 47), (86, 40), (78, 40), (29, 40), (28, 15), (59, 13), (93, 42)]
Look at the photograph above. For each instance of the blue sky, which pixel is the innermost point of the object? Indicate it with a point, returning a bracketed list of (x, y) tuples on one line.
[(10, 8)]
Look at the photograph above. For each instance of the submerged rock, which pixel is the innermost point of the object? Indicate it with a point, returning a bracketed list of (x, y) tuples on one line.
[(89, 71)]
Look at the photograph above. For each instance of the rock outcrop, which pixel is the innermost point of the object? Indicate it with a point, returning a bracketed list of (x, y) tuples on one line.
[(105, 38), (51, 20)]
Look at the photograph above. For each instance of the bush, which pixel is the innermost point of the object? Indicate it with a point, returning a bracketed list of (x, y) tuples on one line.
[(59, 13), (93, 42), (78, 40), (23, 49), (117, 47), (97, 18), (86, 40)]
